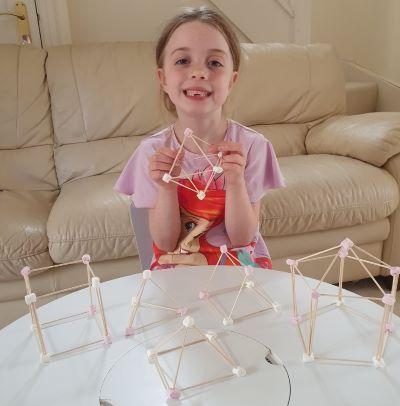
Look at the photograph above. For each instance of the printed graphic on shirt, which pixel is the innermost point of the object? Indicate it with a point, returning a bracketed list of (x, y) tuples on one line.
[(199, 220)]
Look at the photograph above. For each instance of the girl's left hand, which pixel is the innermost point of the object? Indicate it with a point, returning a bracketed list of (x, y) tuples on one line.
[(233, 161)]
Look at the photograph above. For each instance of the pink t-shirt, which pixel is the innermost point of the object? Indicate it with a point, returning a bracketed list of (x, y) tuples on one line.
[(203, 225)]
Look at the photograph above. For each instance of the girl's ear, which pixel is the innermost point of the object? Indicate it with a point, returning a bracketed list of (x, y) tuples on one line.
[(161, 77), (233, 79)]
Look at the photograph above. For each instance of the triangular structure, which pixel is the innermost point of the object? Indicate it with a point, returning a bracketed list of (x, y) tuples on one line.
[(137, 303), (248, 283), (346, 250), (216, 168), (173, 390)]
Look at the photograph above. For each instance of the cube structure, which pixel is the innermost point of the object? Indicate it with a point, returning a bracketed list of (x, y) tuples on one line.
[(93, 285)]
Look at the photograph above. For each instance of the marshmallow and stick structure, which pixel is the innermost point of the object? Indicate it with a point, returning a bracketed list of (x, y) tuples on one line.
[(173, 391), (347, 250), (248, 283), (216, 169), (137, 303), (93, 285)]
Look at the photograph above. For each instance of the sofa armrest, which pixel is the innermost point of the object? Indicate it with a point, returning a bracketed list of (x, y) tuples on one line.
[(391, 252), (371, 137)]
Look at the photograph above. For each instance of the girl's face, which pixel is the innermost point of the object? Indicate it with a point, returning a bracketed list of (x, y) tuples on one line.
[(198, 70)]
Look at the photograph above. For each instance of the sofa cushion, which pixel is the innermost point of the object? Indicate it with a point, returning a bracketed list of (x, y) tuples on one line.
[(26, 143), (325, 192), (23, 237), (89, 217)]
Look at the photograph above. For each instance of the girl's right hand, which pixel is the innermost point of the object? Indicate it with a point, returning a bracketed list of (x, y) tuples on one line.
[(161, 162)]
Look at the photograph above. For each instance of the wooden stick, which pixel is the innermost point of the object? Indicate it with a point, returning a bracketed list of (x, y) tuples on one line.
[(265, 297), (369, 273), (74, 349), (84, 285), (158, 306), (56, 266), (251, 314), (208, 382), (200, 340), (162, 376), (90, 270), (201, 150), (300, 333), (340, 295), (197, 138), (143, 326), (46, 324), (345, 360), (89, 281), (367, 262), (184, 186), (37, 328), (180, 357), (317, 253), (372, 256), (189, 178), (302, 276), (177, 155), (315, 259), (352, 297), (215, 307), (237, 297), (103, 317), (223, 290), (327, 271), (168, 338), (135, 306), (360, 314), (164, 291)]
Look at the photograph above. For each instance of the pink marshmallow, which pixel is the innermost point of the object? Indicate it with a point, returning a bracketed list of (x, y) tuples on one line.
[(129, 331), (389, 328), (395, 270), (223, 249), (86, 259), (92, 310), (25, 271), (203, 295), (291, 262), (173, 394), (315, 294), (107, 340), (182, 311), (388, 299), (296, 320)]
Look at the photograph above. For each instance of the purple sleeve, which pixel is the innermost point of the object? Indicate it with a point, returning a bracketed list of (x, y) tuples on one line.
[(135, 180), (262, 169)]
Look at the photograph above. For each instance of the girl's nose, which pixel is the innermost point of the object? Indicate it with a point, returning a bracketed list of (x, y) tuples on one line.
[(199, 74)]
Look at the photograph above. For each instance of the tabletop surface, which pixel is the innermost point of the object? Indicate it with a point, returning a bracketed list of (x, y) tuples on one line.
[(350, 332)]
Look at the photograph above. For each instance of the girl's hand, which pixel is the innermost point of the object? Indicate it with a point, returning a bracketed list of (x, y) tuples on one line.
[(233, 161), (161, 162)]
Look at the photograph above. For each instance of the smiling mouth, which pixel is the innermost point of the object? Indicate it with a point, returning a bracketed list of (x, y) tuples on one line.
[(196, 93)]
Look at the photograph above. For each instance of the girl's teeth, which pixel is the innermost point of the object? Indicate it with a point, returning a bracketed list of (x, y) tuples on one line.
[(196, 93)]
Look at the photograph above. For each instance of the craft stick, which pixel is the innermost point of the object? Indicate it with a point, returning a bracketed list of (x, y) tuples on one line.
[(367, 262), (38, 329), (341, 278), (265, 298), (233, 259), (27, 284), (197, 138), (345, 360), (394, 285), (216, 308), (352, 297), (189, 178), (214, 270), (200, 149), (259, 289), (314, 306), (360, 314), (143, 326), (294, 297), (178, 153), (134, 308), (210, 179), (162, 376), (369, 273), (372, 256), (315, 259), (180, 358), (84, 285), (55, 321), (164, 291), (317, 253), (90, 270), (74, 349), (237, 296), (184, 186), (191, 174), (327, 271), (382, 332), (226, 357), (223, 290), (89, 281), (201, 157), (158, 306), (168, 338), (208, 382), (200, 340), (247, 315), (302, 276), (55, 266), (103, 317), (322, 309), (300, 333)]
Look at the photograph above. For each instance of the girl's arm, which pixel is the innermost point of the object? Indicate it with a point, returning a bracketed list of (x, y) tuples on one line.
[(164, 218), (241, 216)]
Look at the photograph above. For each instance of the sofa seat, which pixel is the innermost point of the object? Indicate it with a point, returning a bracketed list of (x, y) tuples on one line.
[(89, 217), (325, 192), (23, 239)]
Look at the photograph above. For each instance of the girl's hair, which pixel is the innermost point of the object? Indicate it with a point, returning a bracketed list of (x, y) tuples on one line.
[(204, 15)]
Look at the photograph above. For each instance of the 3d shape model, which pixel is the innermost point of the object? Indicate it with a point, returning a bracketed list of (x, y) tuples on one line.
[(93, 284), (347, 250), (137, 303), (248, 283)]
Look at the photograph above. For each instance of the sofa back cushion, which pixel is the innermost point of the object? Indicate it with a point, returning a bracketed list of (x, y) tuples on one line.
[(105, 98), (26, 145)]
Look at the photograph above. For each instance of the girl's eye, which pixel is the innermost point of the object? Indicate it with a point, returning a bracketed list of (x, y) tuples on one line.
[(190, 225), (215, 64), (181, 61)]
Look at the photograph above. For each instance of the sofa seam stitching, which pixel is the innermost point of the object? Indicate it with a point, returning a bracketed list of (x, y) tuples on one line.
[(89, 238)]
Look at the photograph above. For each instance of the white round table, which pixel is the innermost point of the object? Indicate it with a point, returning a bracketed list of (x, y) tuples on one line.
[(78, 379)]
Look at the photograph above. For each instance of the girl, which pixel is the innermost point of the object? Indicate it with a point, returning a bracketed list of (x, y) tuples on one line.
[(198, 58)]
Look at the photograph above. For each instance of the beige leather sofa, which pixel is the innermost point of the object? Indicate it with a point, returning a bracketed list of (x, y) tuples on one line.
[(70, 118)]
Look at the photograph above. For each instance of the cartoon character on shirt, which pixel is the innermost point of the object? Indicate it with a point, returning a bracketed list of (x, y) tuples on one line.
[(199, 218)]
